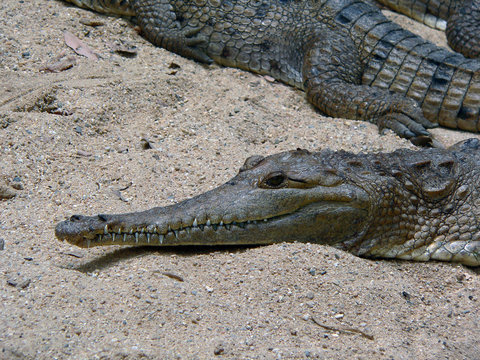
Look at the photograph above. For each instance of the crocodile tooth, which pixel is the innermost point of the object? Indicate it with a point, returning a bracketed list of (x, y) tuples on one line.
[(131, 231), (113, 237), (160, 238), (169, 228), (176, 233), (105, 229), (265, 220), (221, 223), (228, 226), (195, 224), (148, 238), (100, 237), (208, 222), (136, 237), (119, 232)]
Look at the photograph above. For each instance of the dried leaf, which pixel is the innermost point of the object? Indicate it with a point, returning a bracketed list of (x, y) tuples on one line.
[(79, 46)]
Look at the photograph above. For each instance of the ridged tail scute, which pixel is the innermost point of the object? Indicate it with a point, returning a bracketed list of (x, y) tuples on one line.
[(463, 29), (444, 84)]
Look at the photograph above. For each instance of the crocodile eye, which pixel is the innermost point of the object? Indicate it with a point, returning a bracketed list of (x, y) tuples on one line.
[(275, 180)]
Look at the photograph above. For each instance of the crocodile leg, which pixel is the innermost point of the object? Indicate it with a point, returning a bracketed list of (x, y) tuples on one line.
[(164, 27), (336, 89)]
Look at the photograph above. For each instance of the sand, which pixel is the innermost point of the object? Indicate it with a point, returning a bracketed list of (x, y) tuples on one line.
[(127, 133)]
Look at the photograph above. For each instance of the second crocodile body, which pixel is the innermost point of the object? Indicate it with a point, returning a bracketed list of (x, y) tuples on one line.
[(351, 61)]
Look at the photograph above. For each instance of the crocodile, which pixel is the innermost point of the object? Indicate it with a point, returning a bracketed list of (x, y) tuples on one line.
[(459, 18), (414, 205), (351, 61)]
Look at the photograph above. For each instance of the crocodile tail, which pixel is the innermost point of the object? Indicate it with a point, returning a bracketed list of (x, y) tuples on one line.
[(463, 29), (446, 85), (429, 13)]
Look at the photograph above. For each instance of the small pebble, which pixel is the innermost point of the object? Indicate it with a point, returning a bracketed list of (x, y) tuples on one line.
[(6, 193), (406, 295), (219, 349), (146, 144), (18, 281)]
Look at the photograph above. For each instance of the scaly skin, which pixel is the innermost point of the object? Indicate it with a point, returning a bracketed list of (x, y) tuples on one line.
[(351, 61), (416, 205), (460, 19)]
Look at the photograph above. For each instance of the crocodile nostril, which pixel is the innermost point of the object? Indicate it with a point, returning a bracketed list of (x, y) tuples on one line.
[(75, 217), (102, 217)]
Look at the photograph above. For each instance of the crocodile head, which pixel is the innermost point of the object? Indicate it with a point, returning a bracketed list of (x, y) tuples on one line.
[(290, 196), (416, 205)]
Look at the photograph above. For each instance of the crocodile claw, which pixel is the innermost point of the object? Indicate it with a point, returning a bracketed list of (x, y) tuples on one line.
[(193, 48)]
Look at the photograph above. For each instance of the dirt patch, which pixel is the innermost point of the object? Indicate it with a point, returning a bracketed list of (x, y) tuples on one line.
[(74, 142)]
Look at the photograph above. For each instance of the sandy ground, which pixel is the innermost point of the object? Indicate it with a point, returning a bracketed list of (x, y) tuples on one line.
[(74, 142)]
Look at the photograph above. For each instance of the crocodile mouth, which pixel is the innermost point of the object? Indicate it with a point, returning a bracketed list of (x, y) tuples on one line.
[(152, 235), (312, 221)]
